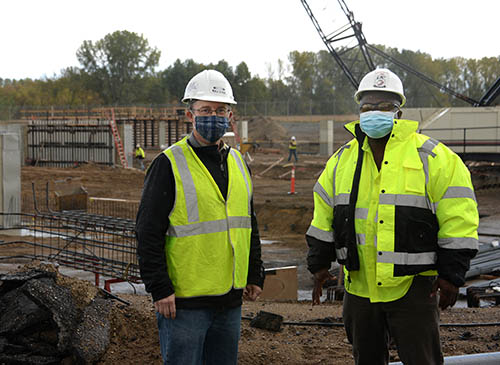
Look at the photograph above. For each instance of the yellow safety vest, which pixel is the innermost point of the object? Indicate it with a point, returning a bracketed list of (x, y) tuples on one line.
[(208, 240), (421, 201), (139, 152)]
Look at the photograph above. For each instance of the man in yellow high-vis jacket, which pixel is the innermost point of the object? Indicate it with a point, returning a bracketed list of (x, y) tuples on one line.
[(198, 242), (140, 155), (398, 210)]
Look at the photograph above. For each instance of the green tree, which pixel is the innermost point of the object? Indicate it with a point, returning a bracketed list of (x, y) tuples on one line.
[(117, 65), (175, 77)]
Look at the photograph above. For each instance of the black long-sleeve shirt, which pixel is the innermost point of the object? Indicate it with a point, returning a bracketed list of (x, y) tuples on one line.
[(152, 222)]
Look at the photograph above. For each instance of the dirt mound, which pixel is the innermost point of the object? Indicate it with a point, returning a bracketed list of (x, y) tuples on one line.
[(262, 129)]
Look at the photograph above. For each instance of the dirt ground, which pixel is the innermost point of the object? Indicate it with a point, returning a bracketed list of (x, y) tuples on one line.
[(284, 217)]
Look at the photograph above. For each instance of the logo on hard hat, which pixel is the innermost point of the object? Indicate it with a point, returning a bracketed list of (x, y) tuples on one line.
[(218, 90), (192, 86), (380, 80)]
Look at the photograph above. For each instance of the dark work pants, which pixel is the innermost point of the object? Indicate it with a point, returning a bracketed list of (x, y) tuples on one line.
[(412, 322)]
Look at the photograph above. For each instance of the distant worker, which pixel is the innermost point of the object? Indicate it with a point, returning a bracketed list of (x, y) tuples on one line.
[(140, 155), (198, 243), (292, 149), (398, 210)]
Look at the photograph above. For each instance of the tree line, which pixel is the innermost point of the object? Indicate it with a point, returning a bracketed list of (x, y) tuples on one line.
[(120, 69)]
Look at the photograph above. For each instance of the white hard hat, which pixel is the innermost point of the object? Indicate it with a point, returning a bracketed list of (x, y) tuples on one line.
[(293, 137), (381, 79), (209, 85), (137, 145)]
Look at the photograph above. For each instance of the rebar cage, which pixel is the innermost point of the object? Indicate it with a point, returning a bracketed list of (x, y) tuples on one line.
[(99, 244), (102, 242)]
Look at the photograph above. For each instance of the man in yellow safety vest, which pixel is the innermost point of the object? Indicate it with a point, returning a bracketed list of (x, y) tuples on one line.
[(198, 242), (292, 149), (397, 209), (140, 155)]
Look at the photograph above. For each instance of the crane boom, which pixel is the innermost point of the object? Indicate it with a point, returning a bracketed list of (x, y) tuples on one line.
[(328, 45), (365, 49)]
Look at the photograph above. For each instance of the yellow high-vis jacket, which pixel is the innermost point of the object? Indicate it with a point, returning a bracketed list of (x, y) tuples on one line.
[(139, 153), (208, 240), (416, 216)]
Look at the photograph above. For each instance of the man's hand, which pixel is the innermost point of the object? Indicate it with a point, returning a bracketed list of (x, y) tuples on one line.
[(251, 292), (319, 279), (448, 293), (166, 306)]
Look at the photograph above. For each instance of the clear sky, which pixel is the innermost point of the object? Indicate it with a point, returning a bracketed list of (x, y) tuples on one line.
[(40, 38)]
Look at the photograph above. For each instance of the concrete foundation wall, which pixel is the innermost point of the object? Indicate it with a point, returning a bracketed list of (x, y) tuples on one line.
[(460, 123), (326, 138), (10, 174), (128, 143)]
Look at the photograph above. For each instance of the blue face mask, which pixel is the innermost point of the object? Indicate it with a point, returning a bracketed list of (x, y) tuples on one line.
[(376, 124), (211, 127)]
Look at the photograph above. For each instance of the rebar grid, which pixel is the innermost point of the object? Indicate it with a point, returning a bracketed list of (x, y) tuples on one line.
[(98, 244)]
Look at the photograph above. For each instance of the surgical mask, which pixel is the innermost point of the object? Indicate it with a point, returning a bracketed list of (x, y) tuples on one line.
[(376, 124), (211, 127)]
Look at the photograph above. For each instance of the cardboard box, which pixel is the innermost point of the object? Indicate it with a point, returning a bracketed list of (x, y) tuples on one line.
[(280, 284)]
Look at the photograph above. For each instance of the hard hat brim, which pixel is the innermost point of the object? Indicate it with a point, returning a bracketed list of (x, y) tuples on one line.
[(211, 98), (357, 95)]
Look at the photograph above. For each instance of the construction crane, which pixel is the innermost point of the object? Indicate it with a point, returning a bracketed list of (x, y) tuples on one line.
[(355, 29)]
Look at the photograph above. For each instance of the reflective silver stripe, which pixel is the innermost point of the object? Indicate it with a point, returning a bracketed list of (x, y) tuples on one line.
[(428, 146), (424, 151), (318, 189), (190, 196), (341, 253), (342, 199), (360, 238), (220, 225), (458, 243), (361, 213), (405, 258), (459, 192), (243, 169), (240, 222), (341, 150), (403, 200), (326, 236)]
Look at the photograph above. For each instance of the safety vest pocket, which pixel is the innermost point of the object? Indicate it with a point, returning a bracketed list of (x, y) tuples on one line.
[(414, 180)]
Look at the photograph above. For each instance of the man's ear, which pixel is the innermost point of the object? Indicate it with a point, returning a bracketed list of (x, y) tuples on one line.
[(399, 114)]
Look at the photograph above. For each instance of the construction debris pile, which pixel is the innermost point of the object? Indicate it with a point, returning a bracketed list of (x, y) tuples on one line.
[(42, 322)]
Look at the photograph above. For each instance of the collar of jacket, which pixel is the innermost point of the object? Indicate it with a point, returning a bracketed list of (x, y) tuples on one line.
[(402, 129)]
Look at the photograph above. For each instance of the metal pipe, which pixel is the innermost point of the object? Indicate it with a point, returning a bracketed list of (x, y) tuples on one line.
[(489, 358)]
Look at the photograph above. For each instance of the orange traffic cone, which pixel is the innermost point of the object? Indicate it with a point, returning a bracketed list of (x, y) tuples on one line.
[(292, 182)]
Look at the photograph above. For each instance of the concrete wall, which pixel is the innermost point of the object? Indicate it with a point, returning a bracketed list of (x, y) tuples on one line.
[(128, 143), (326, 138), (456, 120), (10, 174)]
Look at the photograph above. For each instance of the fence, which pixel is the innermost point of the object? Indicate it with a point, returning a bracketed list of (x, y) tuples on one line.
[(470, 142)]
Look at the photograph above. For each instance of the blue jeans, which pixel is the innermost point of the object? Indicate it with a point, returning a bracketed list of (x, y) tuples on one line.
[(294, 153), (200, 336)]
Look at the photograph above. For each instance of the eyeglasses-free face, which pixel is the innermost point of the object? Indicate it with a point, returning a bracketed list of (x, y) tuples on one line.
[(206, 110), (384, 106)]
